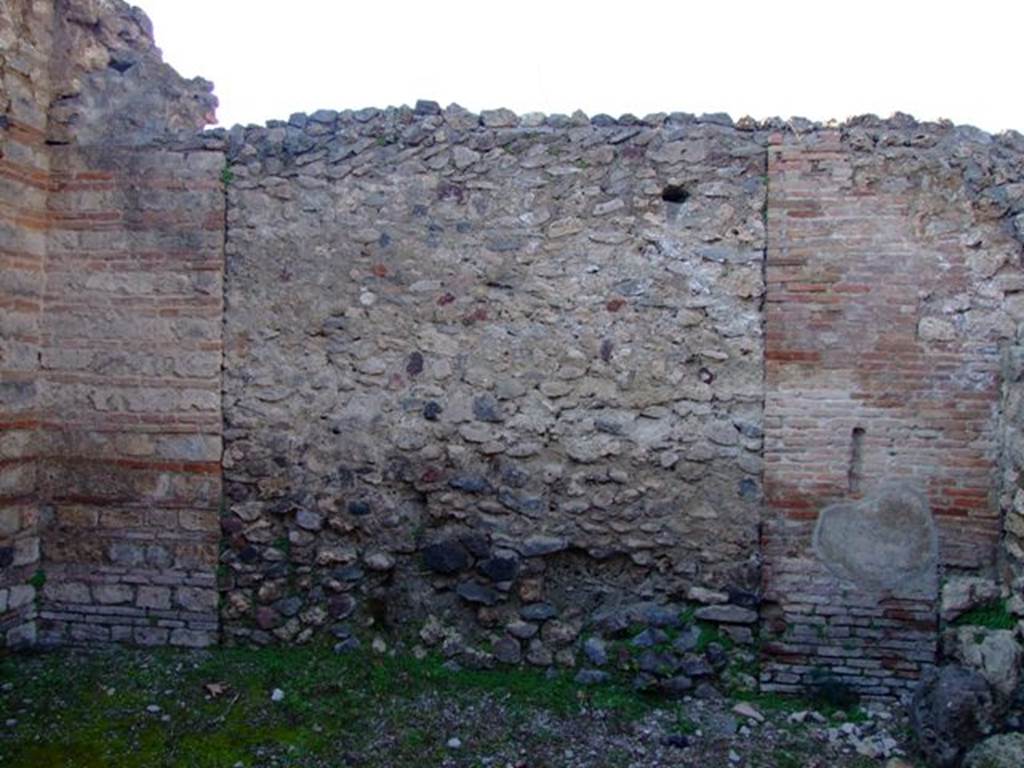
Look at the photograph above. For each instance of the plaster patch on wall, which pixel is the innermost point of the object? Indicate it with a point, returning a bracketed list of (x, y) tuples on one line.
[(884, 542)]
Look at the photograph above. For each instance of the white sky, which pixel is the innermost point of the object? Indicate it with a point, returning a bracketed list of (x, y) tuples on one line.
[(812, 58)]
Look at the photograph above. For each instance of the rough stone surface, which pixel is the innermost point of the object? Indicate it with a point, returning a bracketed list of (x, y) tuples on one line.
[(952, 709), (962, 593), (1003, 751), (508, 371), (504, 329), (994, 653)]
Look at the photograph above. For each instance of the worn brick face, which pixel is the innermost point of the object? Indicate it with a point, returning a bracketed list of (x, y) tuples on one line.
[(25, 40), (110, 241), (884, 324)]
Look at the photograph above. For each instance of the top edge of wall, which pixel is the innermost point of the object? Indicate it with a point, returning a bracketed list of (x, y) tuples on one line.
[(459, 117)]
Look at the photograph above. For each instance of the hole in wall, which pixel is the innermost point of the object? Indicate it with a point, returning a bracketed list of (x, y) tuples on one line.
[(120, 65), (675, 193), (855, 473)]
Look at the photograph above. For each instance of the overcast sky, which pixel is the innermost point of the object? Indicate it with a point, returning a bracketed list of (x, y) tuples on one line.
[(819, 59)]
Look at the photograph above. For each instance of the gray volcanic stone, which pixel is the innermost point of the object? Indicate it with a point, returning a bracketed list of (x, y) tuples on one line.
[(427, 107), (507, 650), (498, 118), (486, 408), (687, 639), (472, 592), (994, 653), (463, 157), (311, 521), (649, 638), (663, 616), (952, 709), (676, 686), (726, 614), (470, 483), (536, 546), (289, 606), (524, 630), (697, 667), (1003, 751), (658, 664), (347, 645), (341, 606), (498, 568), (446, 557), (538, 612), (962, 593), (596, 651)]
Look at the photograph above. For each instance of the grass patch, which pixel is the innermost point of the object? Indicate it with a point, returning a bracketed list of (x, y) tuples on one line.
[(80, 710)]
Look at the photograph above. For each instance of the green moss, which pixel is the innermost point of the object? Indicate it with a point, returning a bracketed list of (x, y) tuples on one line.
[(226, 175), (710, 633), (991, 616), (684, 724), (86, 710), (38, 579)]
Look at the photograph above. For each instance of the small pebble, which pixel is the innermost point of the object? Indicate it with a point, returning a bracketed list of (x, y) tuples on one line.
[(153, 708), (277, 695), (454, 743)]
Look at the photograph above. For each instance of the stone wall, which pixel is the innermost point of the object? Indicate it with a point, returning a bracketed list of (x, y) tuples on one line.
[(503, 374), (116, 289), (1012, 486), (25, 42), (893, 282), (485, 363)]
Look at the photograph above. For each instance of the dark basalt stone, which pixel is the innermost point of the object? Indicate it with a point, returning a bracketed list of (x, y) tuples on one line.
[(472, 592), (359, 508), (500, 568), (446, 557)]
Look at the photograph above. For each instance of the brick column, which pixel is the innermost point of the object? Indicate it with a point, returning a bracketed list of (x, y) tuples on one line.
[(867, 384), (131, 356), (24, 183)]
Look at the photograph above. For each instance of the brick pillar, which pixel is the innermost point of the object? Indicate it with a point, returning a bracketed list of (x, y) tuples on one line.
[(24, 183), (868, 387), (131, 357)]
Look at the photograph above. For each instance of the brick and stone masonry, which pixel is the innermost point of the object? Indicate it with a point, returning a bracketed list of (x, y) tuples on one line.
[(496, 372), (887, 288), (25, 40), (111, 359)]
